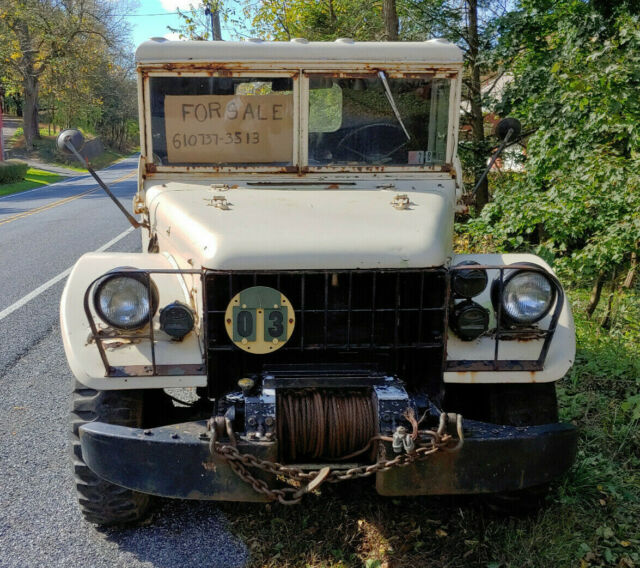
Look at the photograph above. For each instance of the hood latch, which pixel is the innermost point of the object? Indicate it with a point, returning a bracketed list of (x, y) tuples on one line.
[(401, 201), (218, 201)]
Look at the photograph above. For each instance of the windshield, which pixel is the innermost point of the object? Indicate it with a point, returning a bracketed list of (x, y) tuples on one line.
[(222, 120), (373, 119), (353, 119)]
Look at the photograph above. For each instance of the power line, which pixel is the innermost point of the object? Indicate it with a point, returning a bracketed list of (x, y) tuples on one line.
[(146, 15)]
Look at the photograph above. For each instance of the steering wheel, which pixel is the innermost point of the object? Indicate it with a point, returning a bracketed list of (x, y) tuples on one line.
[(387, 139)]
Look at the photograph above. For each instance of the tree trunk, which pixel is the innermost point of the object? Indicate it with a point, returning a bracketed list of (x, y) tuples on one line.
[(606, 321), (596, 292), (477, 118), (628, 281), (332, 14), (30, 116), (390, 17)]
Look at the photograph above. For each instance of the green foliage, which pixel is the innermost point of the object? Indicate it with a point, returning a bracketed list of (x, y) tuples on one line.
[(64, 63), (12, 171), (576, 82)]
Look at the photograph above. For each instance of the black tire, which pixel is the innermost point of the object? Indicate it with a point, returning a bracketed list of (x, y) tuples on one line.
[(522, 405), (101, 502)]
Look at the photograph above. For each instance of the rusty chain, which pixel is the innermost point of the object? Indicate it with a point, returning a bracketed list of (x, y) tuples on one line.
[(428, 442)]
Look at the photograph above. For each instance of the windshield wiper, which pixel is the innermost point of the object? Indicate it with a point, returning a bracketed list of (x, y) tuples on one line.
[(392, 102)]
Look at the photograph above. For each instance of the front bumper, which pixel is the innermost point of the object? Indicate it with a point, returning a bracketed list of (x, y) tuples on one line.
[(174, 461)]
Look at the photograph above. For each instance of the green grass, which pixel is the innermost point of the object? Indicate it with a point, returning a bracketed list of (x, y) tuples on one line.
[(591, 518), (34, 178)]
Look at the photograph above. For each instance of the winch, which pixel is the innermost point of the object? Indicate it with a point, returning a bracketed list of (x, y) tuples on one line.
[(323, 433), (324, 414)]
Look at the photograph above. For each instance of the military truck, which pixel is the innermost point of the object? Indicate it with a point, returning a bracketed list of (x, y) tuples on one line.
[(298, 282)]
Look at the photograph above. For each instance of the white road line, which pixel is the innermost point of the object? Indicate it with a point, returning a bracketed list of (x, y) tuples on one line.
[(31, 295)]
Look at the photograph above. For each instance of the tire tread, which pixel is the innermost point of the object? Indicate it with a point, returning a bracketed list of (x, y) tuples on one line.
[(101, 502)]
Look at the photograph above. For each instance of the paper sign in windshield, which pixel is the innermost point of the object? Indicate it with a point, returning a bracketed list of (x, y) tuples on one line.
[(227, 129)]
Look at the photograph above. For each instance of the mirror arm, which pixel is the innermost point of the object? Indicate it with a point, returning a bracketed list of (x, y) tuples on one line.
[(493, 159), (134, 222)]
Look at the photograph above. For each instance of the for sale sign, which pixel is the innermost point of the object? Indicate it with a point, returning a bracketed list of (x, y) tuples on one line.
[(229, 129)]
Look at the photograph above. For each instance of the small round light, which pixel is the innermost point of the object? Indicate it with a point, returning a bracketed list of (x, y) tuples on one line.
[(246, 385), (176, 320), (527, 297), (470, 320), (469, 282), (124, 300)]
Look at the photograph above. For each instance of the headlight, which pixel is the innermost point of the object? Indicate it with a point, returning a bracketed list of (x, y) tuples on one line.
[(527, 297), (125, 300)]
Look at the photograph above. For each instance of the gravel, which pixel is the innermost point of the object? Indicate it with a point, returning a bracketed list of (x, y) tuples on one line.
[(41, 524)]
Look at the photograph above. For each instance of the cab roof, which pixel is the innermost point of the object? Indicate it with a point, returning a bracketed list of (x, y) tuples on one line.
[(344, 50)]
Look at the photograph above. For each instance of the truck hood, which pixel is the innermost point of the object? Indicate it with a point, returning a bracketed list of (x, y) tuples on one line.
[(336, 225)]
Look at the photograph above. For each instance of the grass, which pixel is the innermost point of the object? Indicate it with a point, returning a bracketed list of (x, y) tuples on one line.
[(591, 518), (34, 178), (45, 150)]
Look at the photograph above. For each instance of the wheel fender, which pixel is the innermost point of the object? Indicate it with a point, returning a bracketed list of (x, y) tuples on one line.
[(562, 349), (80, 347)]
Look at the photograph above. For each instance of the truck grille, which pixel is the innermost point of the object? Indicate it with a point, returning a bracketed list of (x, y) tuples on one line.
[(395, 319)]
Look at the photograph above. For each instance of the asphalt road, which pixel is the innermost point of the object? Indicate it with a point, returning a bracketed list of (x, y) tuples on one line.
[(42, 233)]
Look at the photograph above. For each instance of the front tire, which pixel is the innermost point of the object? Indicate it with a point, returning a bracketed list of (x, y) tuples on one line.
[(101, 502)]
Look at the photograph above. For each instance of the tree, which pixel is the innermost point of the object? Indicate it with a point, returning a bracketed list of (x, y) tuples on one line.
[(324, 20), (36, 33), (473, 26), (198, 22), (576, 79), (390, 17)]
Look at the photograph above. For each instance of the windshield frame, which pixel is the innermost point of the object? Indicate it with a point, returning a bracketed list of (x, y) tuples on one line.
[(300, 78)]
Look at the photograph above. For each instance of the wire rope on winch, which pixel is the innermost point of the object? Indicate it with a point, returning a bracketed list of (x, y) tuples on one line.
[(326, 424)]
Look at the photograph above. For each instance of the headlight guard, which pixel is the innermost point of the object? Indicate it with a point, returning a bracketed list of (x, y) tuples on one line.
[(506, 329)]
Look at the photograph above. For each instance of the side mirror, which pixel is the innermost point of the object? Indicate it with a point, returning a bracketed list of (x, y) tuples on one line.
[(70, 136), (506, 130), (506, 124)]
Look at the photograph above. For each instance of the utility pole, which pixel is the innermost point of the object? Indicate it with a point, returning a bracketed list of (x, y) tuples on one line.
[(216, 34)]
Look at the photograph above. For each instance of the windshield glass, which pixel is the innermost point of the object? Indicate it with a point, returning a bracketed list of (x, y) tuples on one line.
[(362, 121), (222, 120)]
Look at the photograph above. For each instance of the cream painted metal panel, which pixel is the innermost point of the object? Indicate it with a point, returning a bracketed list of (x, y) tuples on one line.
[(305, 227), (561, 353), (163, 51)]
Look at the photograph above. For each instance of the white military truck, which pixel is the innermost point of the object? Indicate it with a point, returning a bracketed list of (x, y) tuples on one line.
[(296, 202)]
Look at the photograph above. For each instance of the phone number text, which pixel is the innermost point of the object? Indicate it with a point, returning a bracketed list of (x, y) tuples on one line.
[(181, 140)]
